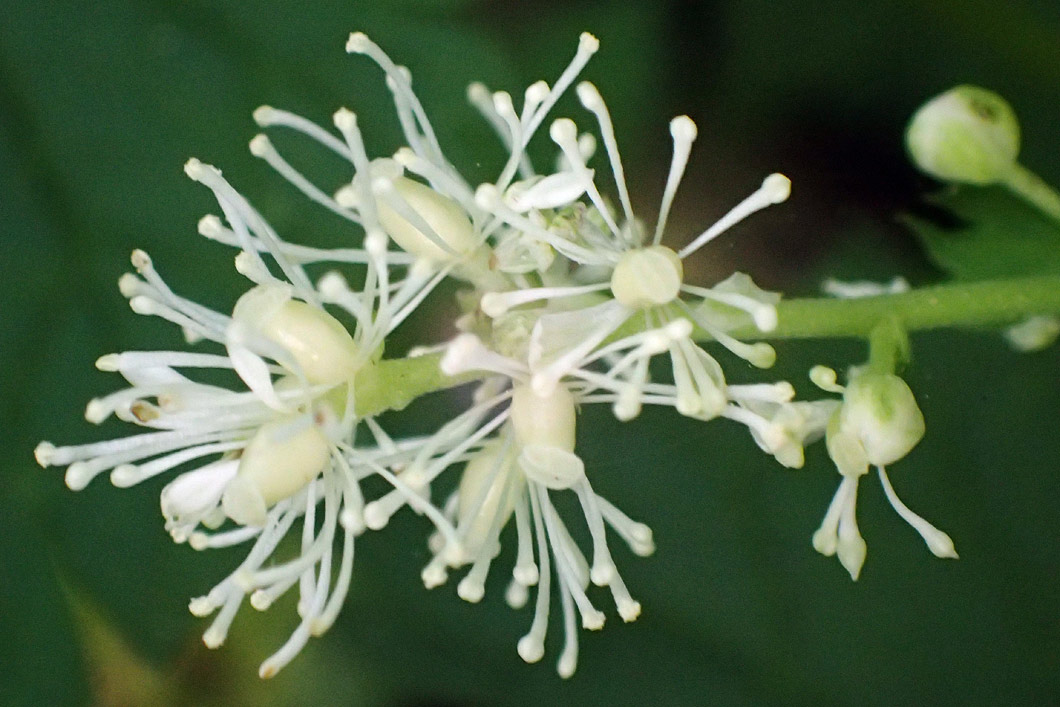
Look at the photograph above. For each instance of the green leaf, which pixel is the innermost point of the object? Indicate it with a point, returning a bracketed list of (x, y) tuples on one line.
[(986, 233)]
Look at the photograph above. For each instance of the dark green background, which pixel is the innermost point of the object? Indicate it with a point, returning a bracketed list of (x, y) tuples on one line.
[(102, 102)]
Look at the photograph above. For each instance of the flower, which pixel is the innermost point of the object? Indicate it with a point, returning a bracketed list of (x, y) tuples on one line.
[(275, 444), (514, 473), (282, 445), (967, 134), (877, 423), (639, 279), (519, 446)]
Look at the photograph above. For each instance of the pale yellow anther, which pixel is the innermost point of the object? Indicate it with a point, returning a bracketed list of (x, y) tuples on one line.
[(647, 277)]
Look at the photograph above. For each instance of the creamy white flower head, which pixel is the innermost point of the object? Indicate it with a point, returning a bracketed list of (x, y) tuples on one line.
[(280, 438), (519, 450), (270, 441), (877, 423), (417, 198), (636, 275)]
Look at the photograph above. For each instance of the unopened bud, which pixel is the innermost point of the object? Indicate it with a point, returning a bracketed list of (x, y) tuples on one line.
[(880, 412), (967, 134)]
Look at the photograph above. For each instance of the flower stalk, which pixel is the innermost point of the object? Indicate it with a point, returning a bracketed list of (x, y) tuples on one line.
[(394, 383)]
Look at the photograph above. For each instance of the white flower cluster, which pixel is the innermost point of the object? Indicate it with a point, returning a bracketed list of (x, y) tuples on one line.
[(572, 300)]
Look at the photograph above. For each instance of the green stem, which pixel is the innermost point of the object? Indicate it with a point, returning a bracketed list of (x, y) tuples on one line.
[(1030, 187), (394, 383), (888, 346), (990, 303)]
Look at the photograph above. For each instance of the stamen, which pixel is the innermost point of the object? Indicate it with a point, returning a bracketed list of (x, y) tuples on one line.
[(262, 147), (516, 595), (495, 304), (440, 180), (826, 538), (587, 46), (781, 392), (683, 131), (570, 563), (216, 634), (531, 647), (851, 548), (346, 122), (158, 288), (937, 541), (825, 379), (467, 353), (565, 134), (533, 97), (128, 475), (307, 580), (603, 570), (775, 189), (568, 659), (379, 512), (240, 215), (592, 101), (144, 305), (267, 116), (480, 97), (637, 535), (764, 314), (359, 43), (759, 354), (525, 571), (202, 541), (342, 586)]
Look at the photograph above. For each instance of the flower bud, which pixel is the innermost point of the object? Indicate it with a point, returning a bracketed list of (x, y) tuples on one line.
[(967, 134), (880, 412)]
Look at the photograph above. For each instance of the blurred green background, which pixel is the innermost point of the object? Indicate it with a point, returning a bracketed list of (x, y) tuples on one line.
[(102, 102)]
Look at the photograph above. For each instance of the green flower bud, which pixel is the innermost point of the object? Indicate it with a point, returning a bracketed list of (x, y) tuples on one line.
[(967, 134), (880, 412)]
